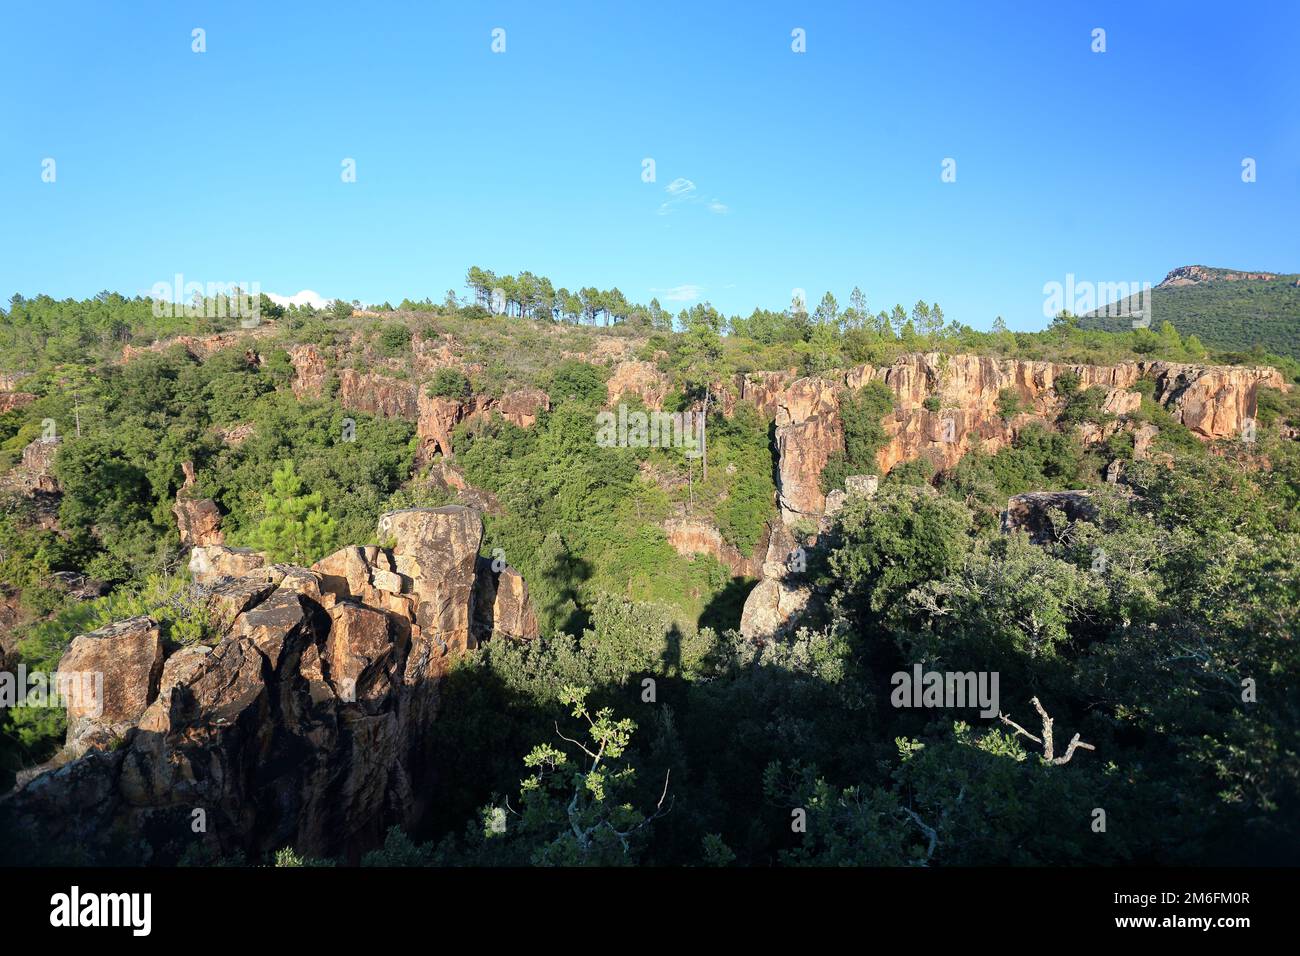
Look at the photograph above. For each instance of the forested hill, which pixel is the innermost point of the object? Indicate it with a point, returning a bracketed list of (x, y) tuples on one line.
[(1099, 529), (1225, 309)]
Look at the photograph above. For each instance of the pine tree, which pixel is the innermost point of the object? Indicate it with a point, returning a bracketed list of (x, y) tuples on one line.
[(296, 527)]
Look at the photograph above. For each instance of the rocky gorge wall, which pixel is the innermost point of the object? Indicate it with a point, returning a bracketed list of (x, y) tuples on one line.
[(305, 719), (1214, 402)]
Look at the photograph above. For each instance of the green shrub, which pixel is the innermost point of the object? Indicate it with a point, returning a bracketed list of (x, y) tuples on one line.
[(449, 383)]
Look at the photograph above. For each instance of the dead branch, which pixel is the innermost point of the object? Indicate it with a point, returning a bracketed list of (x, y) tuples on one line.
[(1049, 747)]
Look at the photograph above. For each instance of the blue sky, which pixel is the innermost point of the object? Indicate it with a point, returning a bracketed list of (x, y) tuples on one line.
[(818, 170)]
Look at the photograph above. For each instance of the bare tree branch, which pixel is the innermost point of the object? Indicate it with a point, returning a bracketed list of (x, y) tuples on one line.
[(1049, 747)]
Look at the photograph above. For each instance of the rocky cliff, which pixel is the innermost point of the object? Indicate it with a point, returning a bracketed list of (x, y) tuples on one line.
[(945, 405), (1214, 402), (303, 721)]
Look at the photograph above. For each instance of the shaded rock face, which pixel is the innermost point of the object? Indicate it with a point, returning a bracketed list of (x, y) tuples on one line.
[(777, 603), (1213, 401), (304, 721), (502, 605), (1032, 512), (773, 609)]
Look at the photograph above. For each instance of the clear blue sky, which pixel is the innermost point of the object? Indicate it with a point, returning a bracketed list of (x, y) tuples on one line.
[(225, 166)]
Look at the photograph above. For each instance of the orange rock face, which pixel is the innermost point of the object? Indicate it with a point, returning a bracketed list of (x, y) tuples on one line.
[(1213, 401), (502, 605), (522, 407), (690, 536), (309, 371), (437, 417), (642, 379), (11, 400), (306, 722), (110, 676), (437, 550), (377, 394), (198, 520)]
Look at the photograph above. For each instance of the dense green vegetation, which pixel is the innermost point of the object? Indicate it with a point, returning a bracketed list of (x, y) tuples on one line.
[(1233, 315), (861, 415), (1174, 657), (580, 519)]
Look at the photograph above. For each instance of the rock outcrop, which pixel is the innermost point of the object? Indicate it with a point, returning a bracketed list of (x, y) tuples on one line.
[(642, 379), (502, 605), (945, 405), (35, 472), (435, 421), (304, 719), (210, 563), (522, 406), (774, 607), (310, 371), (198, 520), (691, 536), (12, 400), (108, 677)]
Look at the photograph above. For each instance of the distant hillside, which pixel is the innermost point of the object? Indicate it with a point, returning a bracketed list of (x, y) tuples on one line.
[(1224, 308)]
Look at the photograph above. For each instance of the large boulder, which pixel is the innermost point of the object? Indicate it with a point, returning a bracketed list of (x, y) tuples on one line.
[(437, 550), (108, 678), (199, 521), (211, 563), (773, 609)]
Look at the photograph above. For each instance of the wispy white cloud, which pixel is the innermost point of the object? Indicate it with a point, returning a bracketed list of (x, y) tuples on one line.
[(682, 191), (679, 293)]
